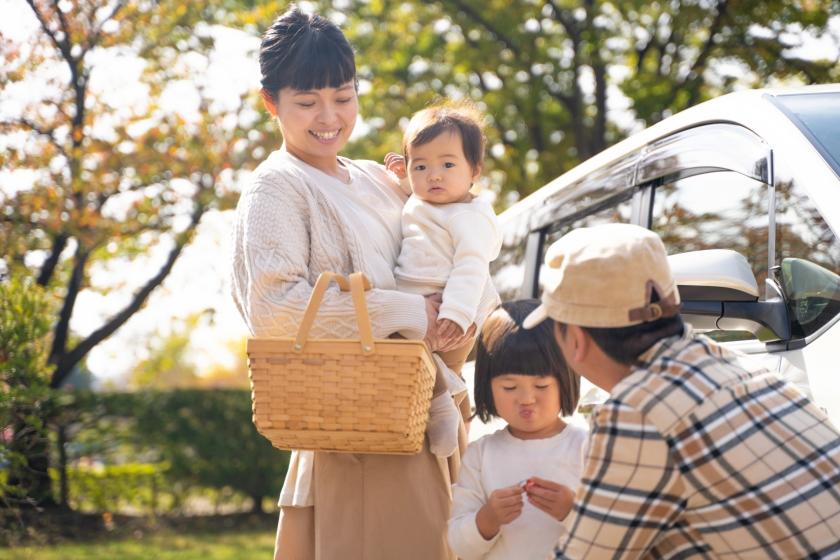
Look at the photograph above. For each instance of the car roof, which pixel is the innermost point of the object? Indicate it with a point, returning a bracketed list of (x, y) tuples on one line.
[(741, 107)]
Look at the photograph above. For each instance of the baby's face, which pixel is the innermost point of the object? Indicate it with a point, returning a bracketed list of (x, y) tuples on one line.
[(439, 172)]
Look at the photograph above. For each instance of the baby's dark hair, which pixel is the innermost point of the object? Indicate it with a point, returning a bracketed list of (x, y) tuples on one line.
[(504, 347), (462, 117), (304, 52)]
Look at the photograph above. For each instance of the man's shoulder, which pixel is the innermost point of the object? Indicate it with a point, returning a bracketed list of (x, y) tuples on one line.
[(680, 377)]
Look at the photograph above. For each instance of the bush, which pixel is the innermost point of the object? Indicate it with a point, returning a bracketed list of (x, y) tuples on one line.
[(117, 487), (197, 444), (24, 393)]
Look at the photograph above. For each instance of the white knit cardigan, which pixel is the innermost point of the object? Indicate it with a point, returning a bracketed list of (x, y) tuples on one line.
[(288, 230)]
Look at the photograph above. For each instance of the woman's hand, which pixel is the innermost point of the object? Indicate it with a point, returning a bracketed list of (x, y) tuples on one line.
[(553, 498), (395, 163), (503, 506)]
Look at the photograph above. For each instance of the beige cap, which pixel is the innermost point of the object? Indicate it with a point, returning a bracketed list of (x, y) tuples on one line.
[(605, 276)]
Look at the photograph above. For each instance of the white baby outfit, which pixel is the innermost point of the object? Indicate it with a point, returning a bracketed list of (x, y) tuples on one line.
[(448, 248)]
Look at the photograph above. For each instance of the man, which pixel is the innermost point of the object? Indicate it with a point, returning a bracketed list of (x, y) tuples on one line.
[(693, 454)]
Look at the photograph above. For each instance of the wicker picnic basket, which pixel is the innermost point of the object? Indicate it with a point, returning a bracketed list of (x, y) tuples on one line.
[(359, 396)]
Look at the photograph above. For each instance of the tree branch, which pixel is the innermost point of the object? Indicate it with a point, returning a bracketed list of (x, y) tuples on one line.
[(93, 39), (477, 17), (69, 360), (48, 269), (62, 46), (62, 327), (699, 64), (575, 101), (65, 27), (48, 133)]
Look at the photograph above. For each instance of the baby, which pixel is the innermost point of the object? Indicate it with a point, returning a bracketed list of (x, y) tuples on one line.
[(449, 238)]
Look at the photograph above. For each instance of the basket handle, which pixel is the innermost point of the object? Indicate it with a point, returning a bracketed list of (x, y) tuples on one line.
[(356, 285)]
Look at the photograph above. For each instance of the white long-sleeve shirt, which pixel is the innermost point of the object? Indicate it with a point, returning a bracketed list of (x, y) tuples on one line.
[(449, 247), (498, 460)]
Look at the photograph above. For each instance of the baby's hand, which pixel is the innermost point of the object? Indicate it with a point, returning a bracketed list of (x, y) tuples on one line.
[(395, 163), (449, 330), (553, 498), (503, 506)]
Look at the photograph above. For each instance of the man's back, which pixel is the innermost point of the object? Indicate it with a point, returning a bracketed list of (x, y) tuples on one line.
[(710, 459)]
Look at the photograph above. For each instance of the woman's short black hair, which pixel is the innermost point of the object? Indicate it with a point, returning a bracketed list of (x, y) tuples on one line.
[(504, 347), (305, 52)]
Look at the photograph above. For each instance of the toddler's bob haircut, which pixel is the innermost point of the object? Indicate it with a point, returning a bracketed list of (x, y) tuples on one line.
[(504, 347), (305, 52), (461, 117)]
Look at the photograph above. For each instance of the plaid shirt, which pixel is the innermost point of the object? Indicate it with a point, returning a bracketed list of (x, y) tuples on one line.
[(694, 455)]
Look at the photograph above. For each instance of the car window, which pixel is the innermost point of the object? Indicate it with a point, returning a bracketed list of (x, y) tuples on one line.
[(617, 212), (809, 256), (817, 116), (718, 210)]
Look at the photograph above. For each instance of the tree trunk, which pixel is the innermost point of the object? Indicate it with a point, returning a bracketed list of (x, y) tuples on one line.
[(64, 488), (257, 505)]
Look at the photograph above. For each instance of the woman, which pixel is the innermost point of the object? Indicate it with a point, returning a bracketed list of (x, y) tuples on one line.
[(308, 210)]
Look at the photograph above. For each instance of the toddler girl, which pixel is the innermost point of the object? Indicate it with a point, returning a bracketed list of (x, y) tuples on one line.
[(449, 238), (506, 499)]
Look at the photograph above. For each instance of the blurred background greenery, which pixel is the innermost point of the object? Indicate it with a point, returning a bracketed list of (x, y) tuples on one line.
[(108, 176)]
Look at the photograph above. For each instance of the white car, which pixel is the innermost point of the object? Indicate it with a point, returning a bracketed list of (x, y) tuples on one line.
[(745, 192)]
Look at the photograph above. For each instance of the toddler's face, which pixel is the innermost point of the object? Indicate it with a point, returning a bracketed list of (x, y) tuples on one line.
[(439, 172), (530, 404)]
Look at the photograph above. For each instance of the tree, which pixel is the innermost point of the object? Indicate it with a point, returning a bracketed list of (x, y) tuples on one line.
[(112, 182), (554, 74)]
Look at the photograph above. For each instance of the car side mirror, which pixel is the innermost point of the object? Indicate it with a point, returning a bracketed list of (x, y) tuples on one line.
[(719, 292)]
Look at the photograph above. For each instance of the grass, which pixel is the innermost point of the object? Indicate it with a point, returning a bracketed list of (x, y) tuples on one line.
[(208, 546), (206, 538)]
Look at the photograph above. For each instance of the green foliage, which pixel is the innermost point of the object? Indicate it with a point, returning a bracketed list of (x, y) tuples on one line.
[(24, 326), (116, 487), (208, 439), (243, 542), (24, 388), (554, 75), (201, 441), (114, 180), (167, 365)]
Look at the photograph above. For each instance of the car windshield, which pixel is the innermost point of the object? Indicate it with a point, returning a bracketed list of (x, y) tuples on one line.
[(818, 116)]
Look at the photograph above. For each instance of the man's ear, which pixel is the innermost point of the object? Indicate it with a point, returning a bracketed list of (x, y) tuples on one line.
[(269, 102), (580, 342)]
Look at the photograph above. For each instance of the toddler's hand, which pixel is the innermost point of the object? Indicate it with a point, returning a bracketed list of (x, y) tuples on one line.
[(395, 163), (449, 330), (553, 498), (503, 506), (455, 337)]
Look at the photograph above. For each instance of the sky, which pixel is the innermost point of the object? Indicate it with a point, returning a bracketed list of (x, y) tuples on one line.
[(199, 280)]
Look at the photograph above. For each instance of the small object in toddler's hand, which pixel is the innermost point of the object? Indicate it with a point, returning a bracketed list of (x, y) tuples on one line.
[(526, 484)]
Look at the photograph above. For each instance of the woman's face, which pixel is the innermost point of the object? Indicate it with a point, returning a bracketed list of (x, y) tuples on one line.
[(316, 124)]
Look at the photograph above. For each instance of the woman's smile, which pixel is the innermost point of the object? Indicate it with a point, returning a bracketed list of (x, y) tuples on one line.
[(325, 136)]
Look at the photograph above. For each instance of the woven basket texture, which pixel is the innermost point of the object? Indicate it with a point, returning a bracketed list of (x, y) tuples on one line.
[(332, 398)]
